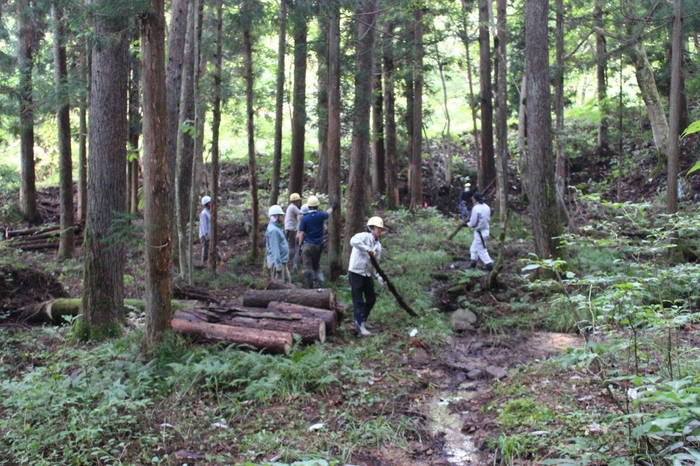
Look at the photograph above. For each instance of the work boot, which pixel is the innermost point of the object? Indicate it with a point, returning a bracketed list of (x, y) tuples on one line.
[(489, 266), (319, 277), (358, 328), (472, 265), (363, 331), (309, 280)]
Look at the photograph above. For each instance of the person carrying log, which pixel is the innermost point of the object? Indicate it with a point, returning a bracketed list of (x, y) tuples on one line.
[(361, 272), (310, 237), (277, 246), (291, 222)]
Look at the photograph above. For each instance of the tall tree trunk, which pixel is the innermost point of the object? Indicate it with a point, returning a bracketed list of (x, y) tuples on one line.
[(156, 181), (502, 111), (279, 103), (601, 69), (82, 137), (446, 137), (560, 159), (416, 181), (215, 128), (322, 75), (392, 181), (675, 108), (378, 150), (103, 277), (335, 249), (487, 165), (364, 57), (175, 67), (522, 130), (540, 164), (185, 143), (132, 181), (66, 245), (27, 193), (473, 105), (408, 91), (296, 175), (252, 167)]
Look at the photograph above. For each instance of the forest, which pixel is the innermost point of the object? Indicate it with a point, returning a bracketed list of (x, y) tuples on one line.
[(131, 337)]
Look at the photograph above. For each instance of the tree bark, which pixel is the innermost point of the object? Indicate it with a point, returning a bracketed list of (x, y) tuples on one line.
[(472, 98), (269, 340), (675, 108), (82, 137), (158, 247), (27, 193), (180, 11), (322, 298), (134, 115), (329, 317), (279, 103), (66, 247), (215, 129), (252, 168), (359, 159), (378, 150), (601, 69), (502, 111), (487, 165), (560, 158), (392, 181), (416, 181), (335, 249), (540, 164), (296, 175), (185, 144), (322, 106), (103, 294)]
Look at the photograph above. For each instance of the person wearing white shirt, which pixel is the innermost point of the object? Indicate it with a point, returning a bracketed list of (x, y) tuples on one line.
[(205, 228), (361, 272), (480, 221), (291, 222)]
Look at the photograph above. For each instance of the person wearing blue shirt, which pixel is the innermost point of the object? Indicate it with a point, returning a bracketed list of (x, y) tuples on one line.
[(310, 237)]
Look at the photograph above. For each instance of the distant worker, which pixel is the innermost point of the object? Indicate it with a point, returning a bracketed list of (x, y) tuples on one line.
[(465, 201), (361, 272), (310, 237), (297, 246), (291, 222), (277, 246), (479, 221), (205, 228)]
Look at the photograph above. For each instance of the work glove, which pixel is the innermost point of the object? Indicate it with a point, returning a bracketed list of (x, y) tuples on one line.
[(380, 280), (334, 205)]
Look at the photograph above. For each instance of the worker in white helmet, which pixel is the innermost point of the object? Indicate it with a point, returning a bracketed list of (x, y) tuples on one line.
[(310, 237), (361, 272), (277, 246), (205, 228), (291, 222)]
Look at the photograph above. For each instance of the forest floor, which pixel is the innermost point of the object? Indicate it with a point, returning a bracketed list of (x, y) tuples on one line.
[(449, 389)]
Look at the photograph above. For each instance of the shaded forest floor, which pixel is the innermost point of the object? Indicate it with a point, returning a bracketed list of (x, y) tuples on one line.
[(441, 397)]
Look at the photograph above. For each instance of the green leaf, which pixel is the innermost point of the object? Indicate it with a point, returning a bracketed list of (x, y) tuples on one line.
[(692, 128)]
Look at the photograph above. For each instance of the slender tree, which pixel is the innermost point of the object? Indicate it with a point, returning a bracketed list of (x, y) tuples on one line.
[(464, 34), (215, 128), (392, 182), (378, 149), (25, 59), (250, 123), (279, 103), (134, 115), (296, 175), (486, 163), (540, 163), (675, 107), (158, 247), (103, 276), (364, 57), (601, 81), (416, 181), (322, 101), (560, 157), (66, 244), (502, 111), (83, 130), (335, 249)]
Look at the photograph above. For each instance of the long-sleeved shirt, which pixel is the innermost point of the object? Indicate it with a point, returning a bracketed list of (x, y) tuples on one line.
[(205, 224), (466, 196), (481, 217), (361, 244), (291, 217), (277, 246)]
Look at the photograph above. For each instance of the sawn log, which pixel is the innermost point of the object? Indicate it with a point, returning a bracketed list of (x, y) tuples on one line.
[(329, 317), (392, 288), (268, 340), (321, 298)]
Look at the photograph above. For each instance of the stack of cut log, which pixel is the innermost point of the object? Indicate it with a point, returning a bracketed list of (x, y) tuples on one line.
[(267, 320), (38, 239)]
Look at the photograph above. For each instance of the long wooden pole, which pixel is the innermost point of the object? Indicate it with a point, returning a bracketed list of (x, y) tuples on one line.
[(392, 288)]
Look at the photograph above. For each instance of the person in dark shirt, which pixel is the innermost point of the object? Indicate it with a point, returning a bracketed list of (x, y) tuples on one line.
[(465, 200), (310, 237)]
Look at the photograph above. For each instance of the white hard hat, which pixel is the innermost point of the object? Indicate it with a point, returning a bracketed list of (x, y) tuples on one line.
[(305, 209), (313, 201), (275, 210), (206, 200), (294, 197), (375, 222)]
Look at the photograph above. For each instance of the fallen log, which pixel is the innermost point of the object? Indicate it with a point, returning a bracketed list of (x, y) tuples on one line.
[(268, 340), (55, 310), (30, 231), (321, 298), (327, 316), (273, 285), (392, 288), (310, 330)]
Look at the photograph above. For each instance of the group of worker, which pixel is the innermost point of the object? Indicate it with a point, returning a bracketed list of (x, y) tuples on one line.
[(298, 234)]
